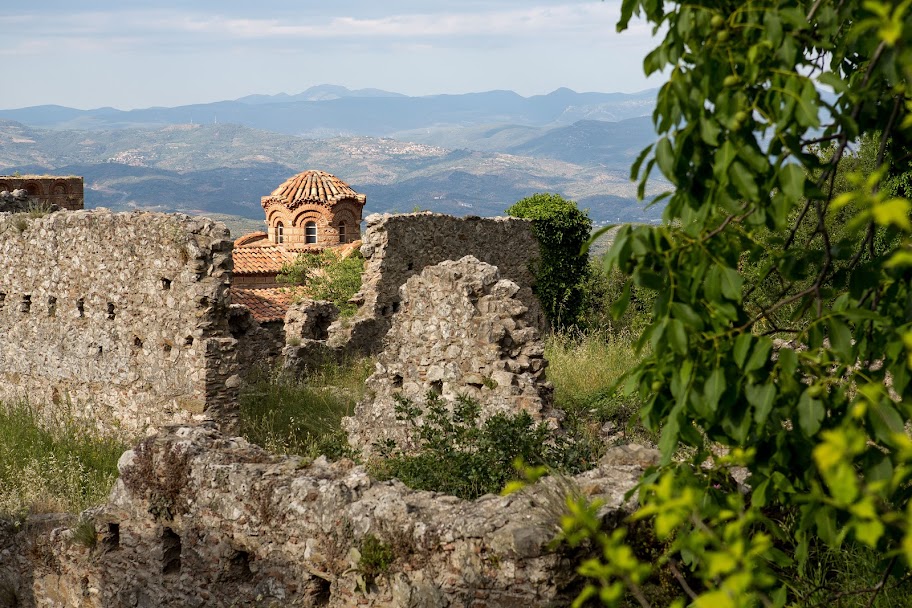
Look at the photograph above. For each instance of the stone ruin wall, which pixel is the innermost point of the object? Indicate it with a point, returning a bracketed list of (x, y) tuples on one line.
[(461, 330), (66, 192), (396, 247), (199, 519), (120, 318)]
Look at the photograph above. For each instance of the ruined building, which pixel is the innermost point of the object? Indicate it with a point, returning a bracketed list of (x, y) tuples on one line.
[(66, 192), (310, 211)]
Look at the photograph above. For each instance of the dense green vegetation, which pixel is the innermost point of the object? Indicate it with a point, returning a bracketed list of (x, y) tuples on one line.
[(562, 230), (289, 416), (775, 229), (327, 275), (59, 465)]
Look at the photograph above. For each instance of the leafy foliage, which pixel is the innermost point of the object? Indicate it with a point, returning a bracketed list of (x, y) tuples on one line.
[(327, 275), (562, 230), (460, 455), (754, 151)]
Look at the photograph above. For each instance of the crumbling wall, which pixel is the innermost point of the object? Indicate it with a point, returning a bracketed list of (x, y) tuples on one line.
[(396, 247), (198, 519), (118, 318), (461, 329)]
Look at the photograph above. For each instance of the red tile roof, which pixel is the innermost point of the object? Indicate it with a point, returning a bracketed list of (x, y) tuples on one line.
[(265, 304), (252, 239), (261, 260), (312, 187)]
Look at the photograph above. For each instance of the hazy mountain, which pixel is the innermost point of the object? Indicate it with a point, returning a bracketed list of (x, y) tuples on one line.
[(332, 111), (322, 92), (225, 169)]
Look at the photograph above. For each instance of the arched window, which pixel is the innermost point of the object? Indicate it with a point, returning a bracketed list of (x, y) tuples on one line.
[(280, 233), (310, 233), (342, 236)]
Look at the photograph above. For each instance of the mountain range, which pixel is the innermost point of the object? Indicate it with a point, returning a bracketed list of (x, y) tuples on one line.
[(463, 154)]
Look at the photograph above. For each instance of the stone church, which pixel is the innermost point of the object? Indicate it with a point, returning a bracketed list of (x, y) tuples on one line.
[(310, 211)]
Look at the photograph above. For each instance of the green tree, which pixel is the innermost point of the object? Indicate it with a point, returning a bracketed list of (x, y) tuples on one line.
[(562, 230), (754, 151), (327, 276)]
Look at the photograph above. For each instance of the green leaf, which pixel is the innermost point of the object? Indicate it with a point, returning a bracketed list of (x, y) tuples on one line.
[(744, 181), (810, 414), (665, 158), (742, 347), (709, 130), (791, 181), (677, 336), (713, 388), (619, 307), (762, 397), (731, 283), (885, 421), (723, 160), (635, 168), (841, 340), (760, 354), (788, 361)]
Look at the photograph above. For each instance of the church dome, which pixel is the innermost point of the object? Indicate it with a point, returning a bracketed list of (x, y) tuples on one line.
[(317, 187)]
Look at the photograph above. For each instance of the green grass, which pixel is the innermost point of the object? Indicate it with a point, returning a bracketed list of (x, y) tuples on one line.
[(585, 370), (303, 417), (59, 465)]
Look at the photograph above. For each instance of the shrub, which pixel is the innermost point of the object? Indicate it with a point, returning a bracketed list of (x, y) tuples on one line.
[(327, 276), (457, 454), (562, 230)]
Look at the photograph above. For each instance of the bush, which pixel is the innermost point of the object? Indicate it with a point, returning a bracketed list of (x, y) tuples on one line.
[(327, 276), (459, 455), (562, 230)]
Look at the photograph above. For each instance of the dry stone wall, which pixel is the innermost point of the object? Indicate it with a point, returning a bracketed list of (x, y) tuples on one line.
[(120, 318), (198, 519), (461, 329), (395, 247)]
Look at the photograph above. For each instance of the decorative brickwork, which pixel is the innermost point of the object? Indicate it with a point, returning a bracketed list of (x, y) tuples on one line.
[(67, 192)]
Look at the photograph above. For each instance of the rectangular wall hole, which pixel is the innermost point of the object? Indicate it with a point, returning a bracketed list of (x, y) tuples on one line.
[(26, 305), (80, 307), (52, 306), (171, 552), (110, 311), (111, 540)]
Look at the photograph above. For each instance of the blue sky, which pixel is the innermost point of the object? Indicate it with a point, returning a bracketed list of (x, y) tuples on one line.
[(139, 53)]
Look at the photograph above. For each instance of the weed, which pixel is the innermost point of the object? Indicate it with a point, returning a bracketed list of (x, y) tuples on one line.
[(163, 485), (53, 464), (304, 417), (85, 534), (376, 558)]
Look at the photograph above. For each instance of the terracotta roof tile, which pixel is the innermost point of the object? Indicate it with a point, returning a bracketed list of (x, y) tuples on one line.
[(312, 186), (256, 239), (261, 260), (265, 304)]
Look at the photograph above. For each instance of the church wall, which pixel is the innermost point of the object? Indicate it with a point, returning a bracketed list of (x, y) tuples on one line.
[(119, 318), (67, 192)]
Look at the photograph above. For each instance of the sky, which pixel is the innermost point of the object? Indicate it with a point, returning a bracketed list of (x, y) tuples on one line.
[(141, 53)]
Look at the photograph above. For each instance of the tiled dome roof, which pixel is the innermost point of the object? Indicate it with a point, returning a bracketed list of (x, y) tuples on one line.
[(313, 187)]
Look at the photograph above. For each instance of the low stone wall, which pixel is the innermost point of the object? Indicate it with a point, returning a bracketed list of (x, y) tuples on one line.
[(198, 519), (395, 247), (461, 330), (120, 318)]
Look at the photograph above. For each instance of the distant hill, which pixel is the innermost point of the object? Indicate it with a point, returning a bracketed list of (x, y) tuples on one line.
[(225, 169), (329, 110)]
